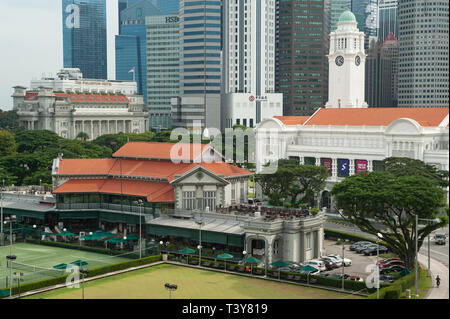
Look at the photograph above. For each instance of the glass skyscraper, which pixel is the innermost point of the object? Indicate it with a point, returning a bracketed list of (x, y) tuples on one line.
[(366, 13), (84, 37), (337, 7), (131, 44), (387, 19), (168, 6), (163, 68)]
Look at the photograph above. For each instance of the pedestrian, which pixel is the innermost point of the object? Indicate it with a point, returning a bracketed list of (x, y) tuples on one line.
[(438, 281)]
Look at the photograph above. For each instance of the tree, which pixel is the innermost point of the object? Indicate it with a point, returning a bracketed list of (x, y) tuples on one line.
[(392, 201), (7, 143), (292, 180), (34, 141), (9, 121), (82, 136)]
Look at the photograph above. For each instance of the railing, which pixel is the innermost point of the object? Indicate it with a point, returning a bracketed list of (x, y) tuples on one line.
[(107, 206)]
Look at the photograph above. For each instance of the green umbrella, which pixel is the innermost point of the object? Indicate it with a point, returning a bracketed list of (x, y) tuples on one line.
[(308, 269), (4, 293), (91, 237), (60, 266), (280, 263), (404, 272), (103, 234), (116, 240), (251, 260), (187, 251), (46, 233), (132, 237), (225, 256), (79, 263)]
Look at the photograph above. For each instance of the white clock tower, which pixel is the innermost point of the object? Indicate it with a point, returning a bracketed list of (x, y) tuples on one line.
[(347, 61)]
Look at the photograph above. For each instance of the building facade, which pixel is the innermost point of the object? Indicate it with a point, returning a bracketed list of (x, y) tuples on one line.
[(70, 105), (337, 7), (349, 141), (366, 13), (302, 46), (84, 37), (347, 61), (423, 79), (248, 62), (387, 18), (131, 44), (200, 65), (163, 69)]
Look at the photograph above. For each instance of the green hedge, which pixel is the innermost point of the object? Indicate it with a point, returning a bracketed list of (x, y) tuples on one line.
[(92, 273), (397, 287), (336, 234), (73, 246)]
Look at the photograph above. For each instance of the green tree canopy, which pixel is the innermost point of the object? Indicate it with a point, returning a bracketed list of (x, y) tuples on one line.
[(9, 120), (83, 136), (393, 201), (7, 143)]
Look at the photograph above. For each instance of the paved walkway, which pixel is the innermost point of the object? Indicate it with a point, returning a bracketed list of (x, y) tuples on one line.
[(436, 268)]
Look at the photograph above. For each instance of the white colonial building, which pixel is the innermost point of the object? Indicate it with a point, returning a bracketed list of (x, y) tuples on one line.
[(70, 104)]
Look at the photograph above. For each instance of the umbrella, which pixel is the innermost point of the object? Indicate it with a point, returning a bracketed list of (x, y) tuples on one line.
[(91, 237), (251, 260), (225, 256), (79, 263), (103, 234), (116, 240), (308, 269), (280, 263), (46, 233), (60, 266), (186, 251), (132, 237), (4, 293)]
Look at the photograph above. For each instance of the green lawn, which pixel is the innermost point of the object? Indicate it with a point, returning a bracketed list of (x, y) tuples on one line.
[(47, 257), (192, 283)]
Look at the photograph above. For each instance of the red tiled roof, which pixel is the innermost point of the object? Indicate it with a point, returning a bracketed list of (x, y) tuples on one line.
[(94, 98), (153, 150), (377, 116), (292, 120), (156, 192), (85, 166)]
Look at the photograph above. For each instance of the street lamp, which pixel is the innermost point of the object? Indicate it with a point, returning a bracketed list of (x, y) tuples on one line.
[(436, 220), (1, 213), (380, 236), (170, 287), (200, 223), (10, 281), (83, 272), (140, 203)]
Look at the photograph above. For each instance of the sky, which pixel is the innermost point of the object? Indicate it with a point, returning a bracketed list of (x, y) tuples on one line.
[(31, 42)]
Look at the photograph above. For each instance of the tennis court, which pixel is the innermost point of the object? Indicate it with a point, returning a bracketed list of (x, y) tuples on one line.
[(148, 283), (36, 262)]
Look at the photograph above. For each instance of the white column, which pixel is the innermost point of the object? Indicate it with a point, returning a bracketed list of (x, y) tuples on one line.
[(92, 130), (82, 126), (334, 168), (100, 128), (108, 128), (117, 131)]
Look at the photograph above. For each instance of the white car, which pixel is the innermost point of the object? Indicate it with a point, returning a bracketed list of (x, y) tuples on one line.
[(347, 262), (319, 264), (337, 259)]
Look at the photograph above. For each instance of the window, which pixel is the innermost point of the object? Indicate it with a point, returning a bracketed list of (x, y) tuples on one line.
[(308, 241), (189, 200), (209, 200), (233, 191)]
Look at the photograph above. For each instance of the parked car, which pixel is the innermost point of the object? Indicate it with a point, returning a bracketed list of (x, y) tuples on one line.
[(387, 279), (355, 278), (319, 264), (316, 272), (392, 263), (440, 238), (372, 250), (361, 248), (385, 260), (296, 266), (347, 262), (394, 268), (337, 259), (357, 244), (285, 269), (329, 263)]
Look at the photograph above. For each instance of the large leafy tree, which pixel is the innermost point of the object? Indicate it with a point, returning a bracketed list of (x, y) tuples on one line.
[(393, 200), (9, 120), (293, 181)]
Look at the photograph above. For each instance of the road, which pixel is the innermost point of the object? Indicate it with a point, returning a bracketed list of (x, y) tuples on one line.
[(438, 252)]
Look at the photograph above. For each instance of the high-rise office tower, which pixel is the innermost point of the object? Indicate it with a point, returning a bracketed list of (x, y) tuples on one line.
[(302, 46), (366, 13), (131, 56), (424, 53), (168, 7), (123, 4), (337, 7), (200, 65), (381, 72), (163, 68), (84, 37), (387, 18), (248, 82)]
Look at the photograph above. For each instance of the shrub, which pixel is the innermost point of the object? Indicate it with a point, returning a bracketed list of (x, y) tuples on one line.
[(392, 292), (336, 234), (73, 246)]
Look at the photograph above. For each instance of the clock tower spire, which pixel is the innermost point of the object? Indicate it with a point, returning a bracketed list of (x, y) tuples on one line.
[(347, 61)]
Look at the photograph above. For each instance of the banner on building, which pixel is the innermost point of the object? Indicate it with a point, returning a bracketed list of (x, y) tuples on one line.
[(343, 167), (327, 162), (361, 166)]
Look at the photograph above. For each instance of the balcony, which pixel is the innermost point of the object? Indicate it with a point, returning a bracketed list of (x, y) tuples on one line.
[(132, 209)]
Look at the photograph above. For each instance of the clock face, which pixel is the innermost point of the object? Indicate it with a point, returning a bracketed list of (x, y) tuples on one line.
[(339, 60), (358, 60)]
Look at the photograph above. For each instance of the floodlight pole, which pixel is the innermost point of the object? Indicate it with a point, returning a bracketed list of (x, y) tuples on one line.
[(1, 213), (343, 266), (417, 257)]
